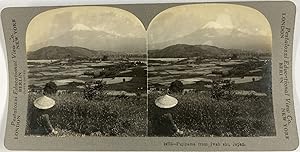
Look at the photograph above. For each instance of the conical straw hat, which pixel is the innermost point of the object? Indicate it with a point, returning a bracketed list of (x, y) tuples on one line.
[(44, 102), (166, 101)]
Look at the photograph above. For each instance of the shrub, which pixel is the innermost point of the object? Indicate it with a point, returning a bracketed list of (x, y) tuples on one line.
[(105, 58), (176, 87), (222, 89), (94, 90), (50, 88)]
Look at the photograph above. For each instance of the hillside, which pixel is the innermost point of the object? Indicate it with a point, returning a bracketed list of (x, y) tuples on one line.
[(95, 40), (184, 50), (223, 38), (56, 52)]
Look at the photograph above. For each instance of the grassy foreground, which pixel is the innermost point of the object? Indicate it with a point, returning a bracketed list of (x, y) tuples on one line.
[(109, 116), (197, 114)]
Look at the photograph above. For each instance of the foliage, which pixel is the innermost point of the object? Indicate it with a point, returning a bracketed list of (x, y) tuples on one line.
[(113, 116), (105, 58), (197, 114), (234, 56), (50, 88), (94, 90), (243, 69), (113, 71), (222, 89), (176, 87)]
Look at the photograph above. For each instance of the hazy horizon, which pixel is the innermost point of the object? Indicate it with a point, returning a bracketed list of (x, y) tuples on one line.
[(91, 27), (222, 25), (112, 29)]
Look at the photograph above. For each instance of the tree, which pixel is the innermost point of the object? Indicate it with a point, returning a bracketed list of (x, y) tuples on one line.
[(105, 58), (176, 87), (50, 88), (94, 90), (222, 89), (234, 56)]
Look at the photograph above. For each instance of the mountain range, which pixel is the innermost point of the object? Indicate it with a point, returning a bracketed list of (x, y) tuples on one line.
[(173, 51), (185, 50), (220, 37), (81, 35), (56, 52)]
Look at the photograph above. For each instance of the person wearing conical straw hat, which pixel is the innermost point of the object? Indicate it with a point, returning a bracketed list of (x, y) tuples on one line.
[(40, 122), (164, 124)]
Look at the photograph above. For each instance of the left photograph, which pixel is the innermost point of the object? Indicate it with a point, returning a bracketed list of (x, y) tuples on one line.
[(87, 71)]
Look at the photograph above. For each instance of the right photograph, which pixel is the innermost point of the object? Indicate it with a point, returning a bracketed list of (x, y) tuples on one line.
[(209, 72)]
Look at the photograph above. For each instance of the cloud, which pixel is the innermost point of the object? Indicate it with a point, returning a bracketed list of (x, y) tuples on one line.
[(206, 23), (222, 21), (80, 27), (208, 43), (213, 25), (99, 22)]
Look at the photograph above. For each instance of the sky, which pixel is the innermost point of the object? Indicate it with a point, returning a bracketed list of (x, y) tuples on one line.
[(111, 24), (214, 21), (113, 29)]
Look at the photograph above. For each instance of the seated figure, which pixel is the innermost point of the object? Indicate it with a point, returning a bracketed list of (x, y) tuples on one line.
[(40, 123), (163, 123)]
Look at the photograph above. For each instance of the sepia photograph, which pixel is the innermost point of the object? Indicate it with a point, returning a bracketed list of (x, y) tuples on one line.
[(209, 72), (87, 72), (186, 76)]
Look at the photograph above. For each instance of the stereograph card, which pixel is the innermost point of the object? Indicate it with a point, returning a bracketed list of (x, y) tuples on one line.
[(171, 76)]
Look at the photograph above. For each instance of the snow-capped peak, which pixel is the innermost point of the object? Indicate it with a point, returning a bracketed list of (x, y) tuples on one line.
[(212, 25), (216, 25), (80, 27)]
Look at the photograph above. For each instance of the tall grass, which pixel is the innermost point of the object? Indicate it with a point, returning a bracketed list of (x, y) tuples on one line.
[(198, 114), (111, 116)]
